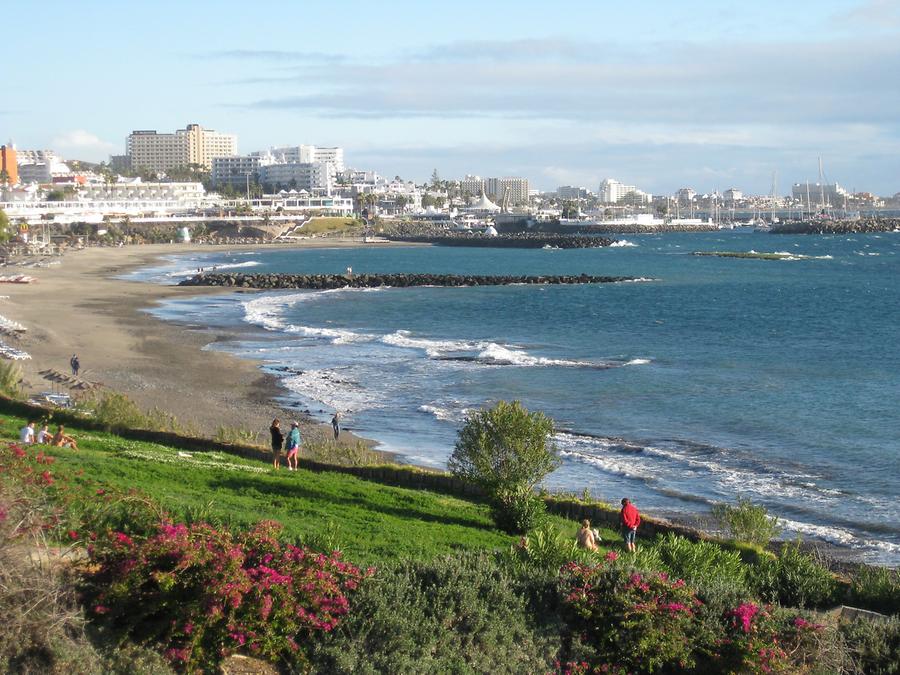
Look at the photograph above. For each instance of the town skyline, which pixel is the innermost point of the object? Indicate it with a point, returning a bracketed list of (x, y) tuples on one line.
[(697, 96)]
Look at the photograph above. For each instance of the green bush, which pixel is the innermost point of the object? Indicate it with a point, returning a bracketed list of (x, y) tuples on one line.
[(507, 451), (545, 549), (518, 510), (873, 646), (458, 614), (10, 379), (794, 579), (746, 521), (876, 588), (701, 562)]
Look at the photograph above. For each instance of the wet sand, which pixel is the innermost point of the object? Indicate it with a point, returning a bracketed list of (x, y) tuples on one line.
[(79, 307)]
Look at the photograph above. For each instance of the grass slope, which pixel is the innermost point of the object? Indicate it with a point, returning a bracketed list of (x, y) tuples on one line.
[(330, 225), (370, 522)]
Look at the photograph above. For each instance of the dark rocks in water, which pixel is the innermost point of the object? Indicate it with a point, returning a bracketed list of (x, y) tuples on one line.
[(331, 281), (827, 226), (520, 240)]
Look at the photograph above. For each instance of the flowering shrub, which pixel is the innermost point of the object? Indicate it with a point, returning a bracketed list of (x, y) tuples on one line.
[(203, 593), (758, 641), (636, 622)]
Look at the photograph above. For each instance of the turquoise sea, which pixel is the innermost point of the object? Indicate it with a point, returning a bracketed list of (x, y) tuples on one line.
[(709, 379)]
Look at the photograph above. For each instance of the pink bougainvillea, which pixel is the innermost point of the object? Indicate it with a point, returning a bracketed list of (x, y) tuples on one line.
[(221, 592)]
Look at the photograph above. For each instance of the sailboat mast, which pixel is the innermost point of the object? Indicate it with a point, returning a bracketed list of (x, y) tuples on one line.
[(821, 186)]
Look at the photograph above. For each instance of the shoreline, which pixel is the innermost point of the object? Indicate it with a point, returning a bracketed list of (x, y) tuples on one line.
[(83, 306)]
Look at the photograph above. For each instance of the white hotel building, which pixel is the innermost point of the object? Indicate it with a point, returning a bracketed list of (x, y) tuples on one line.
[(612, 192)]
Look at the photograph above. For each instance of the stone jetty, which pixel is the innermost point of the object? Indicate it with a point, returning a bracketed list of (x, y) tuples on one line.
[(330, 281), (861, 225), (521, 240)]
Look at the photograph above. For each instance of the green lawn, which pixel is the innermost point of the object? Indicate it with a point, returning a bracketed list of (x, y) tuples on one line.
[(369, 521), (330, 225)]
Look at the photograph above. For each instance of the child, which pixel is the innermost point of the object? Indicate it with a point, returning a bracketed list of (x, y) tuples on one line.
[(293, 446)]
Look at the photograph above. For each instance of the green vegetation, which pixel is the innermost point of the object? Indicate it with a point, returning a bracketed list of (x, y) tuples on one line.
[(10, 379), (368, 521), (330, 225), (507, 451), (451, 593), (747, 522), (5, 232)]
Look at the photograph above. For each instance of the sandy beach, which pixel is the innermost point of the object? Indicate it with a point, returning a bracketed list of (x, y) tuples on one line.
[(79, 306)]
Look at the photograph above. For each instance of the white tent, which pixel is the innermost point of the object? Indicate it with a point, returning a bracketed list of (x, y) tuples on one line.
[(483, 204)]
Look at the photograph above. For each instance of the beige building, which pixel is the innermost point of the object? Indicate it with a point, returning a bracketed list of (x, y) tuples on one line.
[(191, 145)]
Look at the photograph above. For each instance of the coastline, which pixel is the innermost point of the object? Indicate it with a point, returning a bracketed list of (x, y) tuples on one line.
[(82, 306)]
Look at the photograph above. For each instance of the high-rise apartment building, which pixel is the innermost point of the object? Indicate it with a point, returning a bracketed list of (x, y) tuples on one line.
[(308, 154), (191, 145), (472, 185), (511, 189), (612, 192), (9, 165)]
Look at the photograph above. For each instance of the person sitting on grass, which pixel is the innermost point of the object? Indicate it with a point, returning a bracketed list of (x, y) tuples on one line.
[(293, 446), (586, 537), (44, 435), (62, 440)]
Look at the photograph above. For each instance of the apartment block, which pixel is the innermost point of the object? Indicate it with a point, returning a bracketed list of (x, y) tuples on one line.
[(148, 149)]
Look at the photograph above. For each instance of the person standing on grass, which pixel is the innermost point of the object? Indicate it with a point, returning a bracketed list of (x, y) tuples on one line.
[(277, 442), (293, 446), (630, 519), (336, 424), (26, 434)]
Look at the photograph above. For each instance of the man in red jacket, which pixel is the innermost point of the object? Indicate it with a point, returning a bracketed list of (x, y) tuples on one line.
[(630, 519)]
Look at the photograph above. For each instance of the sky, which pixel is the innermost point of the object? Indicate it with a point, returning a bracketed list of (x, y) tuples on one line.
[(655, 93)]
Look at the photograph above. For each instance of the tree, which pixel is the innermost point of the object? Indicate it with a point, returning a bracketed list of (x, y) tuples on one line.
[(4, 177), (5, 232), (435, 179), (507, 451)]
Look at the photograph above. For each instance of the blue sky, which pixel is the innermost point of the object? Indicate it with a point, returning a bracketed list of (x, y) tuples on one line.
[(658, 93)]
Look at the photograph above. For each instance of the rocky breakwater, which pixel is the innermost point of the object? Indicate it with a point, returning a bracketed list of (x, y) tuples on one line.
[(523, 240), (862, 225), (330, 281)]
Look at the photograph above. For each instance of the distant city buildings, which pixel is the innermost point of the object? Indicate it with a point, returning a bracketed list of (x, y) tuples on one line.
[(309, 176), (307, 154), (816, 194), (613, 192), (147, 149), (510, 188), (236, 170), (685, 195), (41, 166), (572, 192), (732, 195)]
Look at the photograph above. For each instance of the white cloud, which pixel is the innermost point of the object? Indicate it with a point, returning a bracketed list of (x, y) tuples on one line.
[(81, 144)]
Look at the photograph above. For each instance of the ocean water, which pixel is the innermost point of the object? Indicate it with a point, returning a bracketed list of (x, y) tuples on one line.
[(708, 379)]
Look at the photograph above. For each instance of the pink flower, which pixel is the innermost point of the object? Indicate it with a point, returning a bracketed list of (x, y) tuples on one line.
[(100, 609), (744, 613), (47, 478), (73, 534), (612, 556), (123, 538)]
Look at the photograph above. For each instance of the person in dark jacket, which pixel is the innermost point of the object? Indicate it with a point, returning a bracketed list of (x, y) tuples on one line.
[(630, 519), (336, 425), (277, 441)]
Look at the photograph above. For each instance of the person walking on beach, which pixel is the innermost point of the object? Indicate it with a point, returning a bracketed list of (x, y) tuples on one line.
[(75, 363), (336, 424), (630, 519), (26, 434), (277, 442), (585, 537), (293, 446)]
